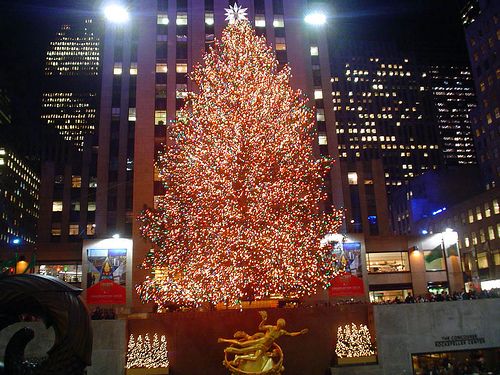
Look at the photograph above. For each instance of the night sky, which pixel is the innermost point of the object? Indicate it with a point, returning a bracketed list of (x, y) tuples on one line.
[(429, 27)]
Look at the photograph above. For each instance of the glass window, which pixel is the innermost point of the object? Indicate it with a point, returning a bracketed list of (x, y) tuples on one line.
[(482, 261), (278, 21), (75, 206), (209, 18), (322, 139), (90, 229), (160, 117), (162, 19), (314, 51), (132, 114), (57, 206), (387, 262), (182, 18), (161, 68), (318, 94), (133, 68), (260, 20), (115, 112), (91, 206), (482, 236), (76, 181), (181, 90), (491, 233), (117, 68), (320, 114), (74, 230), (434, 259), (382, 296), (56, 229), (280, 44), (487, 210), (181, 68), (93, 182), (70, 273), (471, 216), (496, 208), (352, 177), (496, 259), (474, 238), (479, 215)]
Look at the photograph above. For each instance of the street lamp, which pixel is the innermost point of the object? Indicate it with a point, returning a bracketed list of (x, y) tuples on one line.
[(116, 13), (315, 18)]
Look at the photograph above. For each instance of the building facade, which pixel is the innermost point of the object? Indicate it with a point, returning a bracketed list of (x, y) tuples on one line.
[(483, 41)]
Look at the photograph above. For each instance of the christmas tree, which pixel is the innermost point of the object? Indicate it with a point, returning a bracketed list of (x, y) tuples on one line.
[(241, 214), (143, 354), (353, 341)]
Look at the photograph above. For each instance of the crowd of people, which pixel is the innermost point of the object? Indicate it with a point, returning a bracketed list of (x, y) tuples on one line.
[(103, 314), (445, 296)]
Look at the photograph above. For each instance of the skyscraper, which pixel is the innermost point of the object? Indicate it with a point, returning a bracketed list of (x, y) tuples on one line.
[(483, 41)]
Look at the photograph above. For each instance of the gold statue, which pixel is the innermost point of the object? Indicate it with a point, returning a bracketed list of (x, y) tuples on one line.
[(258, 353)]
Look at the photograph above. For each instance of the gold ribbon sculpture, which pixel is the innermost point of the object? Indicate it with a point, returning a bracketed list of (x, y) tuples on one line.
[(257, 354)]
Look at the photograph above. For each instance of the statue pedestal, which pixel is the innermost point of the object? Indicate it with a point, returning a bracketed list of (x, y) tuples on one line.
[(147, 371)]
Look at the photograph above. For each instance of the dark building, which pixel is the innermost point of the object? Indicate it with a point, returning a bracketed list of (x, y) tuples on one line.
[(483, 41), (19, 184)]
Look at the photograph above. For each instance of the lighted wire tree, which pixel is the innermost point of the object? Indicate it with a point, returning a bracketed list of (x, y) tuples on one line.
[(241, 213), (143, 354), (354, 341)]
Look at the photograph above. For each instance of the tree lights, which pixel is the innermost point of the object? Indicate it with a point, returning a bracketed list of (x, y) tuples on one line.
[(240, 216), (143, 354), (354, 341)]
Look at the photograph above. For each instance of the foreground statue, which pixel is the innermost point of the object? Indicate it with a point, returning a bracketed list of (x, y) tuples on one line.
[(57, 304), (258, 353)]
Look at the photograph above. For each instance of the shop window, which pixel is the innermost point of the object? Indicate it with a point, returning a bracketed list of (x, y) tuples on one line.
[(387, 262), (70, 273), (482, 261), (384, 296), (76, 182), (57, 206)]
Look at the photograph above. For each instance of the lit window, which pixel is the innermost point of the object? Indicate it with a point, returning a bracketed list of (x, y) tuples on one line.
[(482, 261), (181, 68), (479, 215), (56, 229), (57, 206), (387, 262), (162, 19), (161, 68), (489, 119), (74, 230), (487, 210), (91, 206), (75, 206), (496, 208), (280, 44), (132, 114), (260, 20), (320, 114), (182, 18), (93, 182), (314, 51), (466, 241), (90, 229), (491, 233), (474, 238), (352, 178), (117, 68), (76, 181), (482, 86), (471, 216), (209, 18), (278, 21), (181, 90), (318, 94), (133, 69), (115, 112), (2, 151), (482, 236), (160, 117), (322, 139)]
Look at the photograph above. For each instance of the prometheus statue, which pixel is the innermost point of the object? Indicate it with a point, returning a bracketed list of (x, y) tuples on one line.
[(258, 353)]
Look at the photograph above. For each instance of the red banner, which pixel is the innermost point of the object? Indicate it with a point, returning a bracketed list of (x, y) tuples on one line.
[(346, 285), (106, 292)]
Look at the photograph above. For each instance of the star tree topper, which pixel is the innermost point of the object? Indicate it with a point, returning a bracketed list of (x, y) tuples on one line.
[(235, 13)]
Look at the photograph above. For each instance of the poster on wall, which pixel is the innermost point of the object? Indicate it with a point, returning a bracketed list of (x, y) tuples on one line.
[(347, 257), (434, 259), (346, 285), (106, 276)]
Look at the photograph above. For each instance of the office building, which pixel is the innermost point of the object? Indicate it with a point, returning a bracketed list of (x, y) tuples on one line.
[(483, 41)]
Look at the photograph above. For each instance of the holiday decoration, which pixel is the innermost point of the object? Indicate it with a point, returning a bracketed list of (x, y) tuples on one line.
[(354, 341), (143, 354), (241, 217), (235, 13)]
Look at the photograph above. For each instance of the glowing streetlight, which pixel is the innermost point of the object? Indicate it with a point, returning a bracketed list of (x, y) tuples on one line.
[(116, 13), (315, 18)]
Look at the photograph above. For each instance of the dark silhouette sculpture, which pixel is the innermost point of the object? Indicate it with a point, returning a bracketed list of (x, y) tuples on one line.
[(59, 306)]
